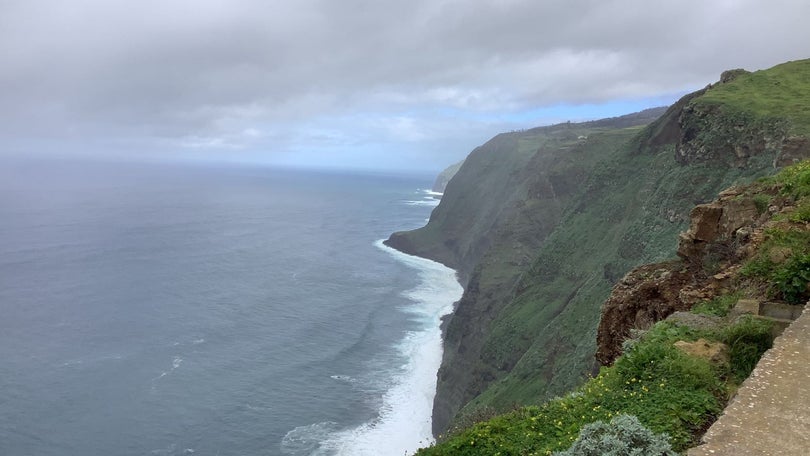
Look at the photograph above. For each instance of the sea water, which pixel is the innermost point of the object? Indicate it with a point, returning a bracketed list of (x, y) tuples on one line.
[(168, 310)]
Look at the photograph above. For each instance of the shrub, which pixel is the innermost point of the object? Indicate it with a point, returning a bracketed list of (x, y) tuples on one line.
[(802, 213), (624, 436), (788, 278), (792, 279), (747, 341), (795, 179), (762, 201)]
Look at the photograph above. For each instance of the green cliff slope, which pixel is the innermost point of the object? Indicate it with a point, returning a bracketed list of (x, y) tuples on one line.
[(541, 223), (677, 375)]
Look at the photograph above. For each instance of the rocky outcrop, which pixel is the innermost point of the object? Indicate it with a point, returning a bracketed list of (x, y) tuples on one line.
[(708, 133), (714, 352), (644, 296), (718, 239), (718, 225), (722, 235), (730, 75)]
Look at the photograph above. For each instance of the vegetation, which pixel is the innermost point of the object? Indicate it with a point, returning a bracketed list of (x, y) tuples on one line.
[(668, 391), (781, 92), (549, 324), (623, 436), (794, 180), (747, 341), (718, 307), (782, 264)]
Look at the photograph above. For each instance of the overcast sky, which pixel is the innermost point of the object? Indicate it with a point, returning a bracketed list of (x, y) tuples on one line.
[(356, 83)]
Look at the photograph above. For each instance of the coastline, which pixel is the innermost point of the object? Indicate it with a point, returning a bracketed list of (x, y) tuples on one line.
[(405, 420), (440, 297)]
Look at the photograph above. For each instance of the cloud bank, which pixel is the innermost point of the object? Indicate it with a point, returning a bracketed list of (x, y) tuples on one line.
[(357, 83)]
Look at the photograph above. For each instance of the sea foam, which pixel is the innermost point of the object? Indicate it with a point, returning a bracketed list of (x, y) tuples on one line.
[(427, 201), (404, 421)]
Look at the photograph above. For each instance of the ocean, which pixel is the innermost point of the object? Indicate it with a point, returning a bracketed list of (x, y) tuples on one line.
[(164, 310)]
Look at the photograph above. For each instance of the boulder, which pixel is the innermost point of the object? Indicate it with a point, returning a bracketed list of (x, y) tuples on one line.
[(714, 352)]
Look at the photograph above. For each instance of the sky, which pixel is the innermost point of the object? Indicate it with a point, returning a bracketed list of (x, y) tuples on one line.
[(358, 84)]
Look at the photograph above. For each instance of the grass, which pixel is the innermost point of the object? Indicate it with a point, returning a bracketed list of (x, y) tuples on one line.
[(667, 390), (542, 341), (780, 92), (747, 341), (718, 307)]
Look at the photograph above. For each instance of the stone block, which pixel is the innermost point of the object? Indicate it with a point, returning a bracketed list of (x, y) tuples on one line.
[(745, 307)]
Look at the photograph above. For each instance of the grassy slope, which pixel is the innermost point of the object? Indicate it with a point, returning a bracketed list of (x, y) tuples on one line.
[(779, 92), (670, 392), (667, 390), (621, 222), (506, 236)]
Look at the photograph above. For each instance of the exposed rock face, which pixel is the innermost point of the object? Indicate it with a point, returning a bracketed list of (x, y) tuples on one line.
[(702, 230), (794, 149), (719, 220), (644, 296), (708, 134), (721, 235), (730, 75)]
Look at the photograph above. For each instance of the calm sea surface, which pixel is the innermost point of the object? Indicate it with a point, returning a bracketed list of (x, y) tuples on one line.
[(169, 310)]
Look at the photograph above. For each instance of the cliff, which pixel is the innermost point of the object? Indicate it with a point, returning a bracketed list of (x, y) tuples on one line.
[(495, 214), (445, 176), (682, 337), (541, 224)]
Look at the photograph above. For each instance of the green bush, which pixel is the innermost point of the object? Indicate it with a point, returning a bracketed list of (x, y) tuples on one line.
[(802, 212), (624, 436), (762, 201), (788, 278), (747, 340), (795, 180), (792, 279)]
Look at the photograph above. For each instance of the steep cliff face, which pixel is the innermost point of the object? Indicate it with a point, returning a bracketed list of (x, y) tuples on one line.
[(743, 264), (444, 177), (542, 223), (495, 214), (512, 187)]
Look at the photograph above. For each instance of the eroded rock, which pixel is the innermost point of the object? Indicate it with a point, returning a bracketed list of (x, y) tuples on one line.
[(714, 352)]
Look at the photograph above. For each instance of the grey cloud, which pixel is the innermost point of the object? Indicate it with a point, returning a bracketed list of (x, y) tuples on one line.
[(200, 69)]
